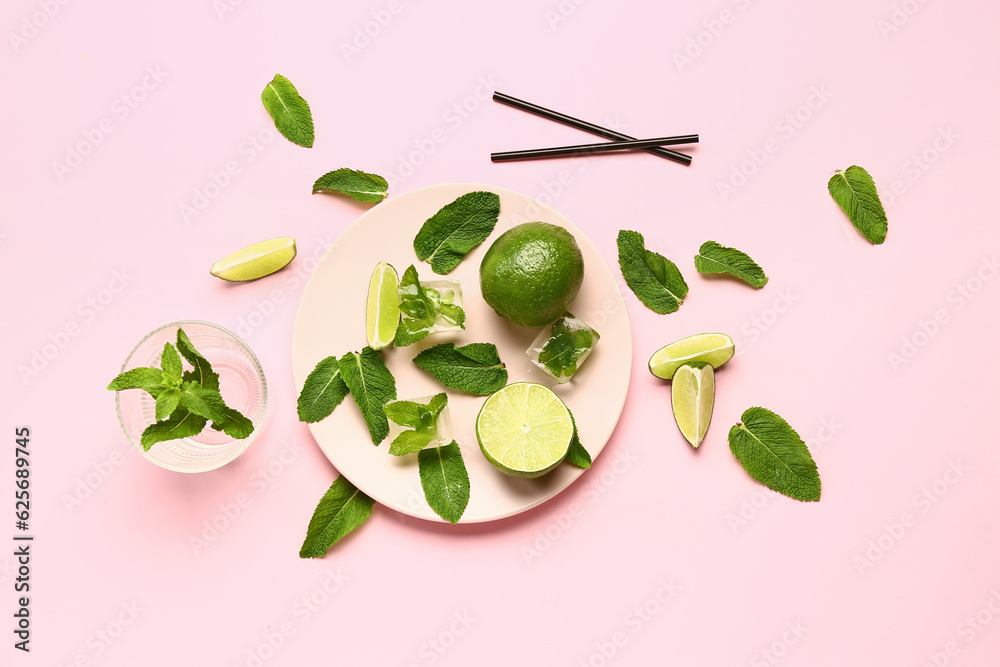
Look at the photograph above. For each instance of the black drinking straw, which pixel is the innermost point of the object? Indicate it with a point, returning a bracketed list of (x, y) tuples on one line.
[(585, 126), (603, 147)]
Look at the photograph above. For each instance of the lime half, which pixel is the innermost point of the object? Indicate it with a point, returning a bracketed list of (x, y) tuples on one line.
[(256, 261), (692, 394), (712, 348), (383, 306), (524, 429)]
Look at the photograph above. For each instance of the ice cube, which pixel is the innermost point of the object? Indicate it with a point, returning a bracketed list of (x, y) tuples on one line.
[(441, 429), (562, 347)]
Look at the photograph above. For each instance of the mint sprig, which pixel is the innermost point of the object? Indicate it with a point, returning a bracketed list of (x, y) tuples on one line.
[(651, 276), (185, 400), (445, 481), (475, 368), (421, 420), (341, 509), (289, 111), (447, 237), (854, 191), (372, 385), (773, 454), (361, 186), (715, 258)]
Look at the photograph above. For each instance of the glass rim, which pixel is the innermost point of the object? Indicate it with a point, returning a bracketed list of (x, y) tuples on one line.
[(179, 324)]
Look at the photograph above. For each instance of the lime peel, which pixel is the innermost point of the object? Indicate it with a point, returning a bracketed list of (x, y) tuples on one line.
[(256, 261)]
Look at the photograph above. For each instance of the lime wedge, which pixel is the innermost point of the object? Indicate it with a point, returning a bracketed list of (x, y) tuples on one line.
[(692, 394), (383, 306), (256, 261), (713, 348), (524, 429)]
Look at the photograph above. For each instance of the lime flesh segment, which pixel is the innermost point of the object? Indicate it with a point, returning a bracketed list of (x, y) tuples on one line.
[(712, 348), (256, 261), (693, 397), (383, 306), (524, 429)]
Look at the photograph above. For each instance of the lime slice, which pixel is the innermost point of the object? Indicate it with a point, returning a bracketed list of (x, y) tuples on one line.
[(693, 397), (256, 261), (524, 429), (383, 306), (713, 348)]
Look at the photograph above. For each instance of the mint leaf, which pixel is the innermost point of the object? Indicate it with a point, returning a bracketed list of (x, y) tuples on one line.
[(715, 258), (774, 454), (235, 425), (475, 368), (170, 361), (564, 348), (448, 236), (577, 454), (372, 386), (138, 378), (166, 403), (855, 193), (181, 424), (323, 391), (445, 481), (407, 413), (341, 509), (203, 402), (363, 187), (417, 310), (409, 442), (654, 278), (202, 373), (289, 111)]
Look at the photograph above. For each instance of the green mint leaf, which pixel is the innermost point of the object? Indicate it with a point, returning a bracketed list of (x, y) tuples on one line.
[(410, 331), (409, 442), (372, 386), (202, 373), (171, 364), (181, 424), (417, 309), (323, 390), (855, 193), (361, 186), (774, 454), (341, 509), (445, 480), (289, 111), (565, 346), (577, 454), (475, 368), (235, 425), (715, 258), (166, 402), (138, 378), (407, 413), (654, 278), (203, 402), (437, 404), (448, 236)]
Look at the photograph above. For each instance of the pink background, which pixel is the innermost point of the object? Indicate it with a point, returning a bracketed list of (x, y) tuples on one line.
[(659, 554)]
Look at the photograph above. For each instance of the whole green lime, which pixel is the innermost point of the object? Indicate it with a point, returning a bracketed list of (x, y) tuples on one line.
[(531, 273)]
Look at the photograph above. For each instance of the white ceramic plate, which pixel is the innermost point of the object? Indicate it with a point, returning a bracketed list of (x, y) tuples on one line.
[(331, 321)]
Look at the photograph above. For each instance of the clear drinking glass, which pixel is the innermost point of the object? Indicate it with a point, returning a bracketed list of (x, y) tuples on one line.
[(241, 382)]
